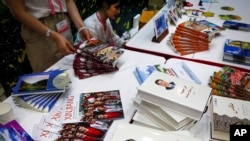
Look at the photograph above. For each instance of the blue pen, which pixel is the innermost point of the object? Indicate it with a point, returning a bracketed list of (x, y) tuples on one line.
[(190, 73)]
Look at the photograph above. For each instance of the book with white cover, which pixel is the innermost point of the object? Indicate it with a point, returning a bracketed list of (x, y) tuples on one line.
[(138, 123), (130, 132), (140, 119), (150, 113), (185, 130), (225, 112), (176, 94), (174, 119)]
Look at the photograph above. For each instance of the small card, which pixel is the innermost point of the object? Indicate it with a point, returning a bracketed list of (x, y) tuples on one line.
[(160, 25)]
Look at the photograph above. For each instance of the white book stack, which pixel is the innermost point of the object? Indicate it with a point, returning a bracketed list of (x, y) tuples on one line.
[(130, 132), (171, 103), (176, 94), (141, 120), (160, 117), (151, 114)]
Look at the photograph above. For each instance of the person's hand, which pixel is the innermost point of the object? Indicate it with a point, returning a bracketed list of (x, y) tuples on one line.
[(63, 45), (85, 34)]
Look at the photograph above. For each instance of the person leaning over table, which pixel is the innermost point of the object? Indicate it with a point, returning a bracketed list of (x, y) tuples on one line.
[(99, 23), (46, 29)]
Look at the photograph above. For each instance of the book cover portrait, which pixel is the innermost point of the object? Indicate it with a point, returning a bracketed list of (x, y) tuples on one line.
[(164, 83), (182, 96)]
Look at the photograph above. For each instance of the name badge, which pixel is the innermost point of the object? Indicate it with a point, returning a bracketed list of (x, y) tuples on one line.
[(63, 28)]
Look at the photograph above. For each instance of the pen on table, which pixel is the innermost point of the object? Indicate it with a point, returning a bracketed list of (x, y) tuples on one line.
[(190, 73)]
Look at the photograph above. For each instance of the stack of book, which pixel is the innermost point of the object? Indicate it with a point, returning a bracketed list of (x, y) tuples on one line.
[(130, 132), (236, 25), (171, 103), (237, 51), (140, 119), (40, 91), (95, 57), (160, 117), (231, 82), (227, 115), (193, 36)]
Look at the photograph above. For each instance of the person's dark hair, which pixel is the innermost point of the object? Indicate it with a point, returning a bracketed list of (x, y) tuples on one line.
[(101, 3), (157, 80)]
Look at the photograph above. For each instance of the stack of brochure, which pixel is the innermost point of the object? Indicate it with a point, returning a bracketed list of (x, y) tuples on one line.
[(40, 91), (86, 116), (95, 57)]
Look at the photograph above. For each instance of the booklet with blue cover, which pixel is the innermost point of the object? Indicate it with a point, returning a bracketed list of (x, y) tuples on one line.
[(236, 25), (40, 91), (13, 131), (41, 83), (237, 51)]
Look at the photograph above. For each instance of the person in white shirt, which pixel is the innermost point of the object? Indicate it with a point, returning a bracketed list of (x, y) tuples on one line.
[(99, 23), (46, 29)]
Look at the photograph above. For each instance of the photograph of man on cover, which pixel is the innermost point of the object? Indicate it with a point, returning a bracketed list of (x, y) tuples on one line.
[(167, 85)]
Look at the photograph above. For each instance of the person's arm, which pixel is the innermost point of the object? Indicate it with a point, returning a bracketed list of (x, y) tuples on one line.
[(20, 12), (118, 41), (77, 20)]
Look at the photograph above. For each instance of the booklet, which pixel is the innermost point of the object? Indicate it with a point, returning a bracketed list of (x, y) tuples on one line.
[(13, 131)]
